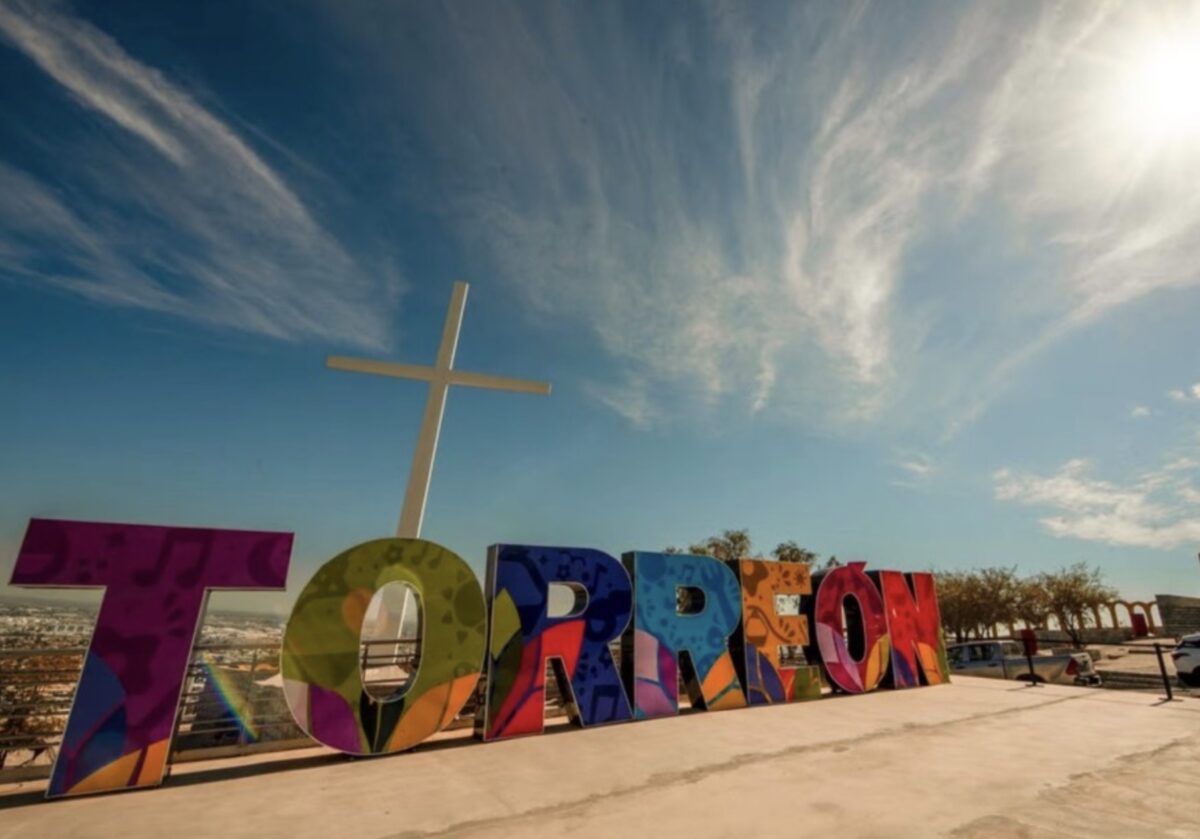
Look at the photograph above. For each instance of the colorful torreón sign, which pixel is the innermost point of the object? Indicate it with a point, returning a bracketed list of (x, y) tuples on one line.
[(867, 630)]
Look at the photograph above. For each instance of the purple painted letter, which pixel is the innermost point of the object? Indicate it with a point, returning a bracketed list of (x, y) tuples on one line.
[(156, 581)]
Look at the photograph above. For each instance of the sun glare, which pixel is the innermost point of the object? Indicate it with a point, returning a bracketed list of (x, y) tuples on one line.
[(1162, 90)]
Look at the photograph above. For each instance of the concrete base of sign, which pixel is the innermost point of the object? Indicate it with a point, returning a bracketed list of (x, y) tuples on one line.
[(973, 759)]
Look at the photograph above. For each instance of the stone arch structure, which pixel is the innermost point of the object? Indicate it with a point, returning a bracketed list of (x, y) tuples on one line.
[(1145, 607), (1128, 611)]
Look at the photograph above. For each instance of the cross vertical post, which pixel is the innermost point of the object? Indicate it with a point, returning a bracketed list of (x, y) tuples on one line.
[(413, 511), (440, 377)]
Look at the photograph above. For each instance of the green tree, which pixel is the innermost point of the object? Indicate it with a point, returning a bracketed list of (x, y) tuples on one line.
[(728, 545), (972, 603), (1033, 607), (999, 596), (956, 592), (1071, 595), (736, 544), (731, 544), (790, 551)]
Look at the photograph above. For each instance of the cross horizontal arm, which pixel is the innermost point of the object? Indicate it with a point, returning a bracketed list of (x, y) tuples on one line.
[(462, 377), (381, 368)]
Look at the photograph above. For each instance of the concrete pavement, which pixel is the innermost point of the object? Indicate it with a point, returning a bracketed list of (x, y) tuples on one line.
[(977, 758)]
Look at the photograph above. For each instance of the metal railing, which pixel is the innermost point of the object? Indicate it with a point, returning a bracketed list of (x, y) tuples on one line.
[(1148, 680), (232, 700), (1167, 680), (388, 665), (36, 690), (233, 703)]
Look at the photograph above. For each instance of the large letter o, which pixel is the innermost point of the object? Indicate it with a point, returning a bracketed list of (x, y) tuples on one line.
[(320, 658), (868, 627)]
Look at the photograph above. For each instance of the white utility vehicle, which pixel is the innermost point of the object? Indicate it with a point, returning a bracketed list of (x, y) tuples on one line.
[(1187, 660)]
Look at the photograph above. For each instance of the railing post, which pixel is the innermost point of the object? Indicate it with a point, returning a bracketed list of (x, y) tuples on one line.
[(250, 709), (184, 698), (1033, 682), (1162, 667)]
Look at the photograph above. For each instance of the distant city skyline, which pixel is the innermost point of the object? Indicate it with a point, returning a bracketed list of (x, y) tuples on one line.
[(915, 287)]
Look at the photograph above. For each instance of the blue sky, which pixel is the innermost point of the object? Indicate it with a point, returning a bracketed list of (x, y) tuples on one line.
[(916, 285)]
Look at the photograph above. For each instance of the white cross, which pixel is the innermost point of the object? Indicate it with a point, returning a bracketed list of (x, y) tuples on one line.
[(440, 376)]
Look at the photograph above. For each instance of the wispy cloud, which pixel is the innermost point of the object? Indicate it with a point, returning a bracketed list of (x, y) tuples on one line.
[(739, 210), (1192, 394), (746, 252), (1158, 509), (173, 210), (917, 468), (755, 211), (632, 402), (1139, 412)]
